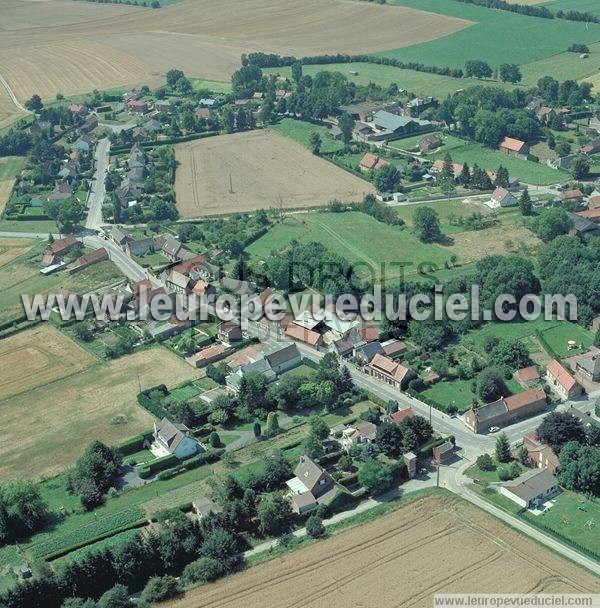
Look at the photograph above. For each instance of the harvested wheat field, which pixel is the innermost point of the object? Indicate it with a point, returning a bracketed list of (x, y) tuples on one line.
[(37, 357), (45, 429), (438, 544), (202, 37), (266, 169), (71, 67), (11, 249)]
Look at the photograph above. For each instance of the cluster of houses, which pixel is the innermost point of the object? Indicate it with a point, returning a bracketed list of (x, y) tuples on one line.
[(377, 121), (132, 183), (59, 255), (565, 384)]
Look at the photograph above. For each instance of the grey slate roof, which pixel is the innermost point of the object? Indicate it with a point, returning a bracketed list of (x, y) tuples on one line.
[(491, 410), (531, 484), (282, 355)]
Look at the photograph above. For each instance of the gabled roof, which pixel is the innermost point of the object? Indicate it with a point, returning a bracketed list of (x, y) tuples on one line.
[(63, 244), (528, 374), (91, 258), (282, 355), (561, 375), (520, 400), (309, 472), (301, 333), (370, 350), (391, 122), (372, 161), (572, 194), (171, 433), (515, 145), (391, 368), (531, 484), (501, 194), (400, 415)]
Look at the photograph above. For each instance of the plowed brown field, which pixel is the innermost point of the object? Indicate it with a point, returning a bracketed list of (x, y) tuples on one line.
[(435, 545), (123, 45), (266, 169)]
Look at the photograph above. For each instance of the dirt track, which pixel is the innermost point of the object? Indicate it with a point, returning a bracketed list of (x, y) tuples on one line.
[(436, 545), (265, 168), (202, 37)]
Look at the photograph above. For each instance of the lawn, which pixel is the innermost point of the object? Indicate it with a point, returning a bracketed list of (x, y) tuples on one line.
[(10, 167), (583, 6), (37, 227), (529, 172), (563, 66), (419, 83), (358, 238), (452, 392), (300, 131), (215, 86), (489, 476), (574, 517), (555, 333), (496, 37)]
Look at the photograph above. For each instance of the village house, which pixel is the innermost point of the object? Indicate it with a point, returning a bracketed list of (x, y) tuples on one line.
[(89, 125), (178, 277), (582, 226), (364, 352), (229, 332), (344, 347), (119, 237), (528, 377), (304, 335), (430, 142), (78, 109), (143, 246), (531, 489), (398, 416), (363, 432), (62, 191), (210, 354), (501, 197), (561, 381), (415, 106), (587, 369), (62, 246), (593, 215), (89, 259), (506, 410), (541, 455), (136, 106), (438, 166), (390, 372), (370, 162), (363, 111), (394, 349), (592, 147), (391, 126), (204, 506), (173, 438), (514, 147), (310, 486), (573, 195), (172, 248)]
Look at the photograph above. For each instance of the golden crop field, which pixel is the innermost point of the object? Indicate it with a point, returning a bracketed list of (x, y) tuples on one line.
[(266, 170), (36, 357), (56, 49), (47, 426), (438, 544)]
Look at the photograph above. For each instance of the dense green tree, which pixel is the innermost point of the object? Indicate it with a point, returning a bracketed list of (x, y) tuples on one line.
[(389, 439), (503, 448), (161, 589), (203, 570), (426, 224), (559, 428), (274, 514), (551, 223), (386, 178), (376, 477), (315, 527), (315, 142), (172, 77), (579, 468), (346, 125), (509, 72), (490, 385), (525, 203), (478, 69)]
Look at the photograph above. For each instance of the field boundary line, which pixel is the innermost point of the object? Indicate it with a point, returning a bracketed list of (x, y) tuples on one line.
[(13, 97)]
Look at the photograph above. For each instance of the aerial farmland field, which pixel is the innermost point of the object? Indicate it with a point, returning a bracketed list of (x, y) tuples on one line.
[(9, 169), (266, 170), (64, 415), (497, 36), (403, 550)]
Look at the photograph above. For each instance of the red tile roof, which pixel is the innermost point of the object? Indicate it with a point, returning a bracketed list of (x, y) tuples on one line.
[(369, 333), (591, 214), (562, 376), (514, 145), (63, 245), (302, 334), (400, 415), (516, 402), (571, 194), (528, 374), (185, 267), (372, 161), (594, 202)]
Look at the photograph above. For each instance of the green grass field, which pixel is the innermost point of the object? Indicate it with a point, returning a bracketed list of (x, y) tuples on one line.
[(556, 333), (215, 86), (563, 66), (357, 237), (300, 131), (523, 170), (496, 37), (584, 6), (452, 392), (489, 476), (574, 517), (10, 166), (419, 83)]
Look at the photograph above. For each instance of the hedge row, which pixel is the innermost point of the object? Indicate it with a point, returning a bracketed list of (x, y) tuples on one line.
[(156, 465), (134, 444), (204, 458), (149, 405), (164, 142)]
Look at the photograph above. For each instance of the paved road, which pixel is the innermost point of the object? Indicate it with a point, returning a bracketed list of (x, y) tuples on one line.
[(27, 235), (98, 188)]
